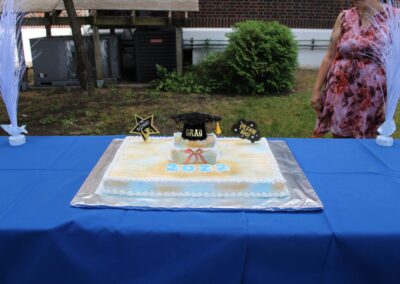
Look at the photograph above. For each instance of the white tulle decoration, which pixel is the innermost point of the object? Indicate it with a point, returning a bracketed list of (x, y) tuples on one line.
[(12, 65), (387, 52)]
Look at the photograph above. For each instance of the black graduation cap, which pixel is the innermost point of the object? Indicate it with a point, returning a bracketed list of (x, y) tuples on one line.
[(194, 124)]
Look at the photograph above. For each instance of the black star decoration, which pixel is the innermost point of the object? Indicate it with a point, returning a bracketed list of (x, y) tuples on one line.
[(144, 127)]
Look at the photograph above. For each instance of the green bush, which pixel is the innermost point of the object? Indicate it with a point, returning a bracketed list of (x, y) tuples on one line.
[(170, 81), (207, 77), (213, 73), (262, 56)]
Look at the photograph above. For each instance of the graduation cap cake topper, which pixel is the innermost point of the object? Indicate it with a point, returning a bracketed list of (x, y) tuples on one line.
[(247, 130), (194, 125), (144, 127)]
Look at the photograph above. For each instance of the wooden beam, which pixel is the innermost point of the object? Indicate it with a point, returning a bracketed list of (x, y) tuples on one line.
[(129, 22), (133, 17), (51, 16), (48, 27), (93, 16), (83, 66), (61, 21), (101, 21), (54, 15), (169, 17)]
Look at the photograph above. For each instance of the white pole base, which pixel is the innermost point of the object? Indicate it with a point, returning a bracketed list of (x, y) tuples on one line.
[(385, 141), (17, 140), (100, 83)]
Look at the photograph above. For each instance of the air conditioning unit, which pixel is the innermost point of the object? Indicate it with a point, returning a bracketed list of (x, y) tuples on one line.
[(128, 58), (154, 47), (54, 59)]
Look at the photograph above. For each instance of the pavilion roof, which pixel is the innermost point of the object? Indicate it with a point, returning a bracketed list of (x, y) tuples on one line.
[(150, 5)]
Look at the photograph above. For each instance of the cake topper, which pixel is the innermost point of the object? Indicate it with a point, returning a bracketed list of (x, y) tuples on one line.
[(194, 125), (144, 127), (247, 130)]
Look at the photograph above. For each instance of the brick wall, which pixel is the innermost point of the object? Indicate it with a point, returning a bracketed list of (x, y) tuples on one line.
[(319, 14)]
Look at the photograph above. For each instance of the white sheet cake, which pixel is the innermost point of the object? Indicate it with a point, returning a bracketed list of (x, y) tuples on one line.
[(143, 169)]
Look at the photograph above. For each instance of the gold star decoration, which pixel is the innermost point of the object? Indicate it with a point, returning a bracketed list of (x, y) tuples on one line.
[(144, 127)]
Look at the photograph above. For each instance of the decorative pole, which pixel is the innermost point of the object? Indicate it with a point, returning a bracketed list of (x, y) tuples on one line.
[(12, 66)]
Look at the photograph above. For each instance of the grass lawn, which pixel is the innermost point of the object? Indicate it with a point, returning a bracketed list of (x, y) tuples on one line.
[(111, 110)]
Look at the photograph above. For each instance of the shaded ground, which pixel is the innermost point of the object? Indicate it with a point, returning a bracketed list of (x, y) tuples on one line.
[(111, 111)]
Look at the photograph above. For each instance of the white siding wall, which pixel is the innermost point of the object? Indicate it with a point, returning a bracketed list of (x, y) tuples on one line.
[(308, 58)]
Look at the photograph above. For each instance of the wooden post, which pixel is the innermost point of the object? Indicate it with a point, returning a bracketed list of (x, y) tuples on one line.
[(133, 17), (179, 51), (97, 55), (169, 17), (186, 17), (83, 66), (48, 27)]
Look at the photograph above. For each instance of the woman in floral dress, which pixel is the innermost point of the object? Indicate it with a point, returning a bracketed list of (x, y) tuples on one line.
[(350, 88)]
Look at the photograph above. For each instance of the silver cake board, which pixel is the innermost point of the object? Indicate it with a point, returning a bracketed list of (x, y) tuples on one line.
[(302, 195)]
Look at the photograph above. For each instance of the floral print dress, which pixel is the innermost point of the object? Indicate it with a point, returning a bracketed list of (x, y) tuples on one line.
[(353, 97)]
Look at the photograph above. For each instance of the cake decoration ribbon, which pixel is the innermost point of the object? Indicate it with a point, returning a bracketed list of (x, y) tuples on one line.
[(198, 155)]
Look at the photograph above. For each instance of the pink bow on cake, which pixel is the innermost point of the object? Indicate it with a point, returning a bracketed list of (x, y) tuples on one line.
[(198, 155)]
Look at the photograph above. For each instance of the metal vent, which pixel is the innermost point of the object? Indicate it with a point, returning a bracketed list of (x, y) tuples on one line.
[(55, 63), (154, 47)]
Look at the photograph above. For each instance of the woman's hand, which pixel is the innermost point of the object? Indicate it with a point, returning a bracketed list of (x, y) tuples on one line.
[(316, 102)]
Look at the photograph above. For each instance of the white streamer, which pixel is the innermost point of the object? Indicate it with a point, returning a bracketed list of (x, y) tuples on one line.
[(12, 64), (387, 52)]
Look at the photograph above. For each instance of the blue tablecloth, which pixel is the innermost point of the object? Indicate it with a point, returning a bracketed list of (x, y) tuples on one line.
[(356, 239)]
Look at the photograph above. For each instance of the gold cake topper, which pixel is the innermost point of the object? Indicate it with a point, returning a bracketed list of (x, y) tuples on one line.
[(144, 127)]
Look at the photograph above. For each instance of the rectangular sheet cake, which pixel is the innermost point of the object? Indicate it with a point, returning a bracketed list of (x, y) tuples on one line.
[(144, 169)]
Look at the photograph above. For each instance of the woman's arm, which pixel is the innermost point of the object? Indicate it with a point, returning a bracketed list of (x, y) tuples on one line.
[(325, 65)]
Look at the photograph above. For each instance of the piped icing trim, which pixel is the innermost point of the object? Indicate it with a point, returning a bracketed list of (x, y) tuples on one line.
[(194, 194), (199, 180)]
